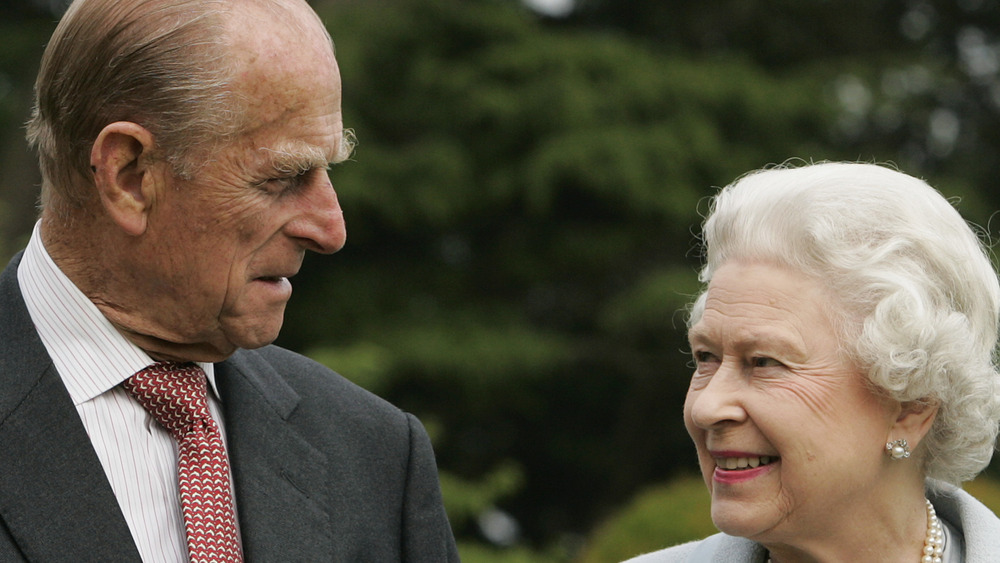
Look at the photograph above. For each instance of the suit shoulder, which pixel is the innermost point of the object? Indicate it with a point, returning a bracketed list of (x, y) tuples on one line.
[(317, 384)]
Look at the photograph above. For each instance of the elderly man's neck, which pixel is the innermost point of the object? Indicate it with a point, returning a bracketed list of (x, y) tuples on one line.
[(91, 252)]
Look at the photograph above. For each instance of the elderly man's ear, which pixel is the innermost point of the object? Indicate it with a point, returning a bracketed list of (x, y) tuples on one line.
[(125, 174)]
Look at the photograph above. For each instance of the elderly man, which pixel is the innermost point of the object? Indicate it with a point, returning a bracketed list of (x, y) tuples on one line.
[(143, 414)]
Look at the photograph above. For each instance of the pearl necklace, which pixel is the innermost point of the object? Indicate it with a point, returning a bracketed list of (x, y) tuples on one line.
[(933, 543)]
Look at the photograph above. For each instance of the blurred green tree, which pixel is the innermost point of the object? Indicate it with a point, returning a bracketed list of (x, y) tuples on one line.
[(520, 211)]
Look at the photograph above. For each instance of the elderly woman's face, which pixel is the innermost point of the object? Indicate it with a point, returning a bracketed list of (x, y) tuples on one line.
[(786, 430)]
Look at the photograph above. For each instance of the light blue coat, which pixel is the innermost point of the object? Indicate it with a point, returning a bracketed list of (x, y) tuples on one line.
[(978, 526)]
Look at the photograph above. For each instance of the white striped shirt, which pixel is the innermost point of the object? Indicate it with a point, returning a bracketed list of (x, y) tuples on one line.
[(93, 358)]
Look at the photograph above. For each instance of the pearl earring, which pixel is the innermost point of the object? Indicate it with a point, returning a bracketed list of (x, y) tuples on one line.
[(898, 449)]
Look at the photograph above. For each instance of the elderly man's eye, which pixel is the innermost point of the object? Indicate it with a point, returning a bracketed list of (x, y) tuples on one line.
[(284, 183), (764, 362)]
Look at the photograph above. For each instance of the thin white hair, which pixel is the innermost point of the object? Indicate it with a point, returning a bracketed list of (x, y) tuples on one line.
[(919, 300)]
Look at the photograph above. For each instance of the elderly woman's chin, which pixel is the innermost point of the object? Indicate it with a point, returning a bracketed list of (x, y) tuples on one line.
[(754, 520), (757, 509)]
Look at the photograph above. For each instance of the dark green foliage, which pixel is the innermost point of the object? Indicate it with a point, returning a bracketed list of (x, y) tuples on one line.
[(659, 517), (521, 209)]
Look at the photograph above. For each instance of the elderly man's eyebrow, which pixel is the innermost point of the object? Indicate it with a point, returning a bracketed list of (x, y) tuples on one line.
[(298, 159)]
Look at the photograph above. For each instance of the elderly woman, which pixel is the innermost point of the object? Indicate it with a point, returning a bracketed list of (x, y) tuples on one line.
[(844, 372)]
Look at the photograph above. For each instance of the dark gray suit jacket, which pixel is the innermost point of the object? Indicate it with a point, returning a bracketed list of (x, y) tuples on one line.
[(323, 470)]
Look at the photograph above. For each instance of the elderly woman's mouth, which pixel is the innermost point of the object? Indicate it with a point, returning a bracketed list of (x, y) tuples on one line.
[(744, 462)]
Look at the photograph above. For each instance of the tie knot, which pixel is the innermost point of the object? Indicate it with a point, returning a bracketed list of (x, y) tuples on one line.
[(176, 395)]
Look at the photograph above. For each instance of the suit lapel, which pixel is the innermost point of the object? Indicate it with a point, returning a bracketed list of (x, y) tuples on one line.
[(54, 496), (280, 479)]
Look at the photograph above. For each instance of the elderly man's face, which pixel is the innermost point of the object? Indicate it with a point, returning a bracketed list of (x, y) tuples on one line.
[(224, 243), (789, 436)]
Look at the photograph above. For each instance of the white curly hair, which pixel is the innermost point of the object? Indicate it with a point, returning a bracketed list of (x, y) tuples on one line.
[(919, 298)]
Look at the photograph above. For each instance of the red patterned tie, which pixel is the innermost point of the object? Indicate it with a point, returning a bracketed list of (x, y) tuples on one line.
[(176, 396)]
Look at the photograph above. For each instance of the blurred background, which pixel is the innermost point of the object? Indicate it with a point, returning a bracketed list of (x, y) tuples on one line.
[(522, 209)]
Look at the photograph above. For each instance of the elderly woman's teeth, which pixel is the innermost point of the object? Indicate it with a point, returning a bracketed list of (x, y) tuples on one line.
[(742, 462)]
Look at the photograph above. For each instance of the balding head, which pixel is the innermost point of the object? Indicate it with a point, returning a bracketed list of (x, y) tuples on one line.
[(167, 65)]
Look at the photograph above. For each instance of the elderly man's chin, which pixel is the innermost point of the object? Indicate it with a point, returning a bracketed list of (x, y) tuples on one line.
[(256, 330), (255, 318)]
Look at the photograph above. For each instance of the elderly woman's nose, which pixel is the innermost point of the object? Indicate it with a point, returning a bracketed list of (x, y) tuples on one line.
[(718, 402)]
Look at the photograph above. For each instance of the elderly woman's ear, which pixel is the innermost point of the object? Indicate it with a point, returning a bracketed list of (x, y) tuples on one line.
[(913, 422)]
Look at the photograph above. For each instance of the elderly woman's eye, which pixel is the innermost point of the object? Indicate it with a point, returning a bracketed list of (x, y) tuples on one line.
[(703, 357)]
